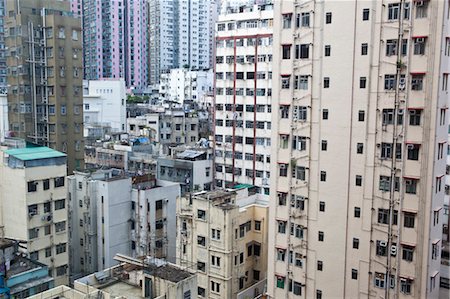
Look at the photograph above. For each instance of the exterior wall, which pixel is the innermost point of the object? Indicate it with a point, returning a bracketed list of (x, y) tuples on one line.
[(17, 225), (105, 104), (3, 85), (4, 124), (229, 220), (242, 102), (57, 119), (145, 236), (345, 98)]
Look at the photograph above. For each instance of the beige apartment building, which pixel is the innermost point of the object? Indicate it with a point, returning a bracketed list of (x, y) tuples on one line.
[(243, 77), (223, 235), (359, 130), (44, 76), (33, 206)]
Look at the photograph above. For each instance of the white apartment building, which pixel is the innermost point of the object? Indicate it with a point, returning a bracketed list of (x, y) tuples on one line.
[(184, 86), (153, 221), (33, 205), (223, 234), (105, 104), (179, 35), (243, 103), (99, 220), (4, 124), (360, 125)]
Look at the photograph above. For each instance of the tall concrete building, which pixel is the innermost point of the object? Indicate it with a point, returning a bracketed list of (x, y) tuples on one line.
[(3, 85), (359, 130), (33, 205), (243, 100), (115, 40), (179, 35), (45, 75)]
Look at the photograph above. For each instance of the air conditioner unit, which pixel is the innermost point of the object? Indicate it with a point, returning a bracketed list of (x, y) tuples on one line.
[(419, 3), (400, 112), (282, 166), (410, 146), (393, 250), (420, 40), (284, 137), (383, 243), (42, 42)]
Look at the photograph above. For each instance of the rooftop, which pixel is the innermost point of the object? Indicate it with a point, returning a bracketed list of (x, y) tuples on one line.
[(34, 153), (224, 199)]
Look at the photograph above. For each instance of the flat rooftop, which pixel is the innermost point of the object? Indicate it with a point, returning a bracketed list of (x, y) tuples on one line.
[(167, 272), (20, 265), (120, 289), (34, 153)]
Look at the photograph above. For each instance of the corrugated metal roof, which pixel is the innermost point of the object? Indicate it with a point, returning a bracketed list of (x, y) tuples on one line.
[(34, 153)]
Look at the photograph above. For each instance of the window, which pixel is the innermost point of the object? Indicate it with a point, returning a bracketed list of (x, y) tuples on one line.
[(34, 255), (201, 240), (59, 181), (201, 292), (357, 212), (282, 198), (421, 9), (410, 186), (322, 206), (328, 16), (284, 111), (405, 285), (304, 19), (287, 18), (365, 15), (359, 148), (321, 236), (325, 114), (361, 115), (48, 252), (327, 50), (413, 151), (326, 82), (301, 82), (383, 216), (355, 243), (435, 250), (60, 226), (407, 253), (358, 180), (364, 49), (215, 261), (60, 248), (46, 184), (417, 82), (319, 266), (381, 248), (354, 274), (32, 186), (393, 11), (285, 81), (47, 230), (302, 51), (201, 214), (323, 176), (419, 45), (215, 234), (257, 225), (283, 170), (47, 207), (286, 51), (409, 219), (414, 117), (379, 280), (280, 282), (33, 233), (281, 255), (318, 294), (61, 32), (324, 145), (281, 227)]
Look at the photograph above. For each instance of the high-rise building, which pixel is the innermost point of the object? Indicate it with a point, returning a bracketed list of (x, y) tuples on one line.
[(223, 235), (243, 100), (115, 40), (179, 35), (360, 120), (34, 206), (3, 85), (44, 79)]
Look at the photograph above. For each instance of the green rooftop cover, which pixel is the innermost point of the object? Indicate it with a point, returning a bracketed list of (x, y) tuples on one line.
[(243, 186), (34, 153)]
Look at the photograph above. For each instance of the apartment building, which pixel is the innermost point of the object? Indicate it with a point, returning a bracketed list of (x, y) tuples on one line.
[(34, 206), (179, 35), (445, 250), (3, 85), (104, 105), (115, 40), (99, 220), (359, 130), (44, 76), (191, 167), (153, 223), (223, 234), (243, 91), (184, 86)]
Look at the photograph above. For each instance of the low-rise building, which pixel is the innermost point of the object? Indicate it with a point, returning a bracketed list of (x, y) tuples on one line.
[(191, 167), (20, 276), (99, 222), (33, 205), (104, 104), (153, 221), (133, 279), (223, 234)]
